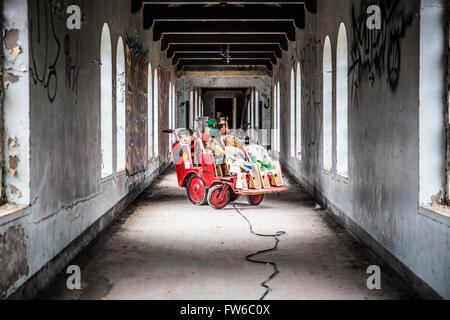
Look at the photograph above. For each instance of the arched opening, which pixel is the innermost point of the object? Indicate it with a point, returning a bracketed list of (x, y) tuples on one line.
[(253, 109), (278, 118), (327, 106), (298, 113), (155, 114), (342, 103), (170, 112), (150, 111), (200, 113), (195, 104), (257, 110), (191, 109), (106, 102), (274, 134), (121, 106), (249, 113), (292, 113), (174, 108)]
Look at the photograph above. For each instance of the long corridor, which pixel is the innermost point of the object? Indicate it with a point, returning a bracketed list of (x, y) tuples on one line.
[(162, 247)]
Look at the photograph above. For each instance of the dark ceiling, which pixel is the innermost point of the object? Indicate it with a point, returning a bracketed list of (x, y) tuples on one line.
[(233, 34)]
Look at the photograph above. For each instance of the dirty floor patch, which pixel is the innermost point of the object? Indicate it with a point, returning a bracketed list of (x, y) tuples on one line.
[(163, 247)]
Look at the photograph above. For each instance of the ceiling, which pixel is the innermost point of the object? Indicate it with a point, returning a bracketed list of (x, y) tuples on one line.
[(233, 35)]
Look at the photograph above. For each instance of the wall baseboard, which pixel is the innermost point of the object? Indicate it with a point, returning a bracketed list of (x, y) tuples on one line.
[(410, 279), (43, 278)]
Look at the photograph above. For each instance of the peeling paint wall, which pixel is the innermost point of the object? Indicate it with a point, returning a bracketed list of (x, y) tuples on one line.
[(13, 258), (16, 132), (382, 193), (2, 95), (52, 134)]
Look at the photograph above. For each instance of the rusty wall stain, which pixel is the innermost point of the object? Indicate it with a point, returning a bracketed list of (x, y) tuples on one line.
[(9, 78), (12, 143), (13, 258), (13, 163), (15, 191), (11, 37)]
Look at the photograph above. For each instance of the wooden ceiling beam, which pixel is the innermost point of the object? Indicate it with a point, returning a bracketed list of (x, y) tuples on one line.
[(224, 39), (223, 27), (196, 48), (294, 13), (217, 55), (220, 62), (310, 5)]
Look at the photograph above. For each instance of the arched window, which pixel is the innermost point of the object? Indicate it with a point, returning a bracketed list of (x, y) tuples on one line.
[(195, 104), (249, 113), (155, 114), (274, 134), (276, 115), (342, 103), (298, 113), (292, 114), (327, 106), (121, 106), (278, 118), (106, 101), (170, 112), (253, 108), (191, 110), (199, 105), (174, 109), (150, 110), (257, 110)]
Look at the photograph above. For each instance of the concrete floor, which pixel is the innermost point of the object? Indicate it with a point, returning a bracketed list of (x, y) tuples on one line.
[(163, 247)]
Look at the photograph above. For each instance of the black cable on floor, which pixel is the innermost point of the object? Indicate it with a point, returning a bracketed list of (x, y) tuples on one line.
[(276, 236)]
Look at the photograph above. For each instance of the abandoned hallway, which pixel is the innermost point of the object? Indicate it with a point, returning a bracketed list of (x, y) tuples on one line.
[(341, 108), (161, 248)]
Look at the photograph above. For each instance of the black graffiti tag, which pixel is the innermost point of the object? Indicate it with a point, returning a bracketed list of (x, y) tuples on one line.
[(73, 65), (48, 77), (376, 53)]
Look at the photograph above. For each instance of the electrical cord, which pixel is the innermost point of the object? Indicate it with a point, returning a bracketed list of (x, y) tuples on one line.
[(276, 236)]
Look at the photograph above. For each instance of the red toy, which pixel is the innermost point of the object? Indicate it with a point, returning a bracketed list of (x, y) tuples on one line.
[(218, 171)]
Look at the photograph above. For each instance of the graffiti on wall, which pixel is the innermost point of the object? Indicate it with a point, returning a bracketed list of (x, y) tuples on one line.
[(163, 98), (376, 54), (43, 37), (73, 64), (136, 101), (47, 47), (311, 92)]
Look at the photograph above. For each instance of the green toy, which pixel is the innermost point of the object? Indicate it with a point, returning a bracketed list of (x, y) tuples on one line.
[(212, 123), (265, 165)]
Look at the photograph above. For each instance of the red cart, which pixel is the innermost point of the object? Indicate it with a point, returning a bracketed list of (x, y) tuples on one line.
[(214, 172)]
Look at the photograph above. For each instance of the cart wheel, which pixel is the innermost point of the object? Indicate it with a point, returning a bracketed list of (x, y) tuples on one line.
[(196, 190), (255, 200), (235, 197), (214, 199)]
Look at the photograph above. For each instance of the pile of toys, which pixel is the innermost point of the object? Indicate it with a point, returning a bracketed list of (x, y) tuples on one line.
[(216, 166)]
